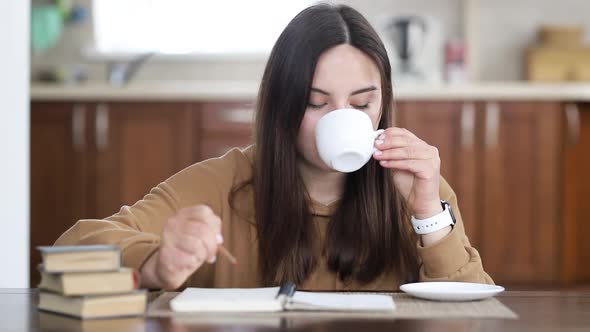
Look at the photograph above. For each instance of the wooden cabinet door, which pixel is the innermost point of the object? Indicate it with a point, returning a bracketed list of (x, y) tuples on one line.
[(452, 128), (59, 178), (224, 125), (136, 146), (520, 220), (576, 210)]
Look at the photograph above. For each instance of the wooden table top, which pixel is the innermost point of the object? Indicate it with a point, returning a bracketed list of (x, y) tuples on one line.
[(537, 310)]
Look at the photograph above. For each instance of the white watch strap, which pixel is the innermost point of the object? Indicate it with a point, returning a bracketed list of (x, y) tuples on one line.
[(432, 224)]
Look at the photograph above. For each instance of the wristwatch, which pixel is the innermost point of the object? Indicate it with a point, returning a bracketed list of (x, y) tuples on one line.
[(435, 223)]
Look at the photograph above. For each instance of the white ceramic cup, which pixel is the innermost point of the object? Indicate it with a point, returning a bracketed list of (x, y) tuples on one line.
[(345, 139)]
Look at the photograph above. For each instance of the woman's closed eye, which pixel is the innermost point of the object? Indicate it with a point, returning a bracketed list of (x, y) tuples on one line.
[(316, 106), (360, 107)]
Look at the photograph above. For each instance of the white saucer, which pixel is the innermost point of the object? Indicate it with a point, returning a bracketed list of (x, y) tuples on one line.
[(451, 291)]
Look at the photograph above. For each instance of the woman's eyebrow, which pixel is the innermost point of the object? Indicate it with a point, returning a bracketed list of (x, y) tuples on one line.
[(356, 92), (367, 89), (320, 91)]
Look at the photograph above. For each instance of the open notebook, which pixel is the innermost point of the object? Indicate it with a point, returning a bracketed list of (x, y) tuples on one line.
[(265, 300)]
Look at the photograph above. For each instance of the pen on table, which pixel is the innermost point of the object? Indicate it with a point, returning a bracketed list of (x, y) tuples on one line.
[(227, 254), (286, 291)]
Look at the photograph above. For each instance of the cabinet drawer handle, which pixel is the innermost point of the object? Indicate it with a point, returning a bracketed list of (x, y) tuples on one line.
[(492, 124), (572, 116), (467, 125), (238, 115), (101, 126), (79, 127)]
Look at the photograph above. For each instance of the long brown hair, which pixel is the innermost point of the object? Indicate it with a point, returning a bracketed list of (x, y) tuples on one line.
[(369, 233)]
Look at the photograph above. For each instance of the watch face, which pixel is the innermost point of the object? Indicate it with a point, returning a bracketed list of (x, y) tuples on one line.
[(447, 206)]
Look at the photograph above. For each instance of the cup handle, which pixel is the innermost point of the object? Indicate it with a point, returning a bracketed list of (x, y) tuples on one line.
[(375, 135)]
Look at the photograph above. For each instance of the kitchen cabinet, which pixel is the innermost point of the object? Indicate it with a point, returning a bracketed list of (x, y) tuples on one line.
[(451, 127), (60, 176), (517, 168), (575, 225), (520, 191), (88, 159), (224, 125), (504, 161), (137, 146)]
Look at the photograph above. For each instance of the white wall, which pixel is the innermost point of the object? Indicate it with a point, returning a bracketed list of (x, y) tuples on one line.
[(507, 27), (503, 29), (14, 143)]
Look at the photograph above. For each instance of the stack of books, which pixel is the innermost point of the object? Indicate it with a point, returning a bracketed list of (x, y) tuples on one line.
[(89, 282)]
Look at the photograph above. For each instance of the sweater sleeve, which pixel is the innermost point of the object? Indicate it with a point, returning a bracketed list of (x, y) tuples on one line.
[(136, 229), (452, 258)]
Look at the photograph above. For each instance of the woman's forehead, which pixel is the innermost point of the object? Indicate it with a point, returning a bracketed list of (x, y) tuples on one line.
[(345, 67)]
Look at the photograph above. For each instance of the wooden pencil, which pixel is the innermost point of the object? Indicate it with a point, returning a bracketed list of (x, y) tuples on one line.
[(227, 254)]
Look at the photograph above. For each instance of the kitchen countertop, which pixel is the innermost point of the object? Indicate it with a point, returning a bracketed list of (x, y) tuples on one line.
[(247, 90)]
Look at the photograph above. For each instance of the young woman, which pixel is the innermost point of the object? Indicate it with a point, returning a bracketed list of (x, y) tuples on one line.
[(285, 214)]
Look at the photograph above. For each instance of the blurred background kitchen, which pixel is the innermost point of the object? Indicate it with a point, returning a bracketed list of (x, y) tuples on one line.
[(124, 93)]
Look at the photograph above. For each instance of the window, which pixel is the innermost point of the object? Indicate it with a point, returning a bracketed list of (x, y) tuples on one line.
[(191, 26)]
